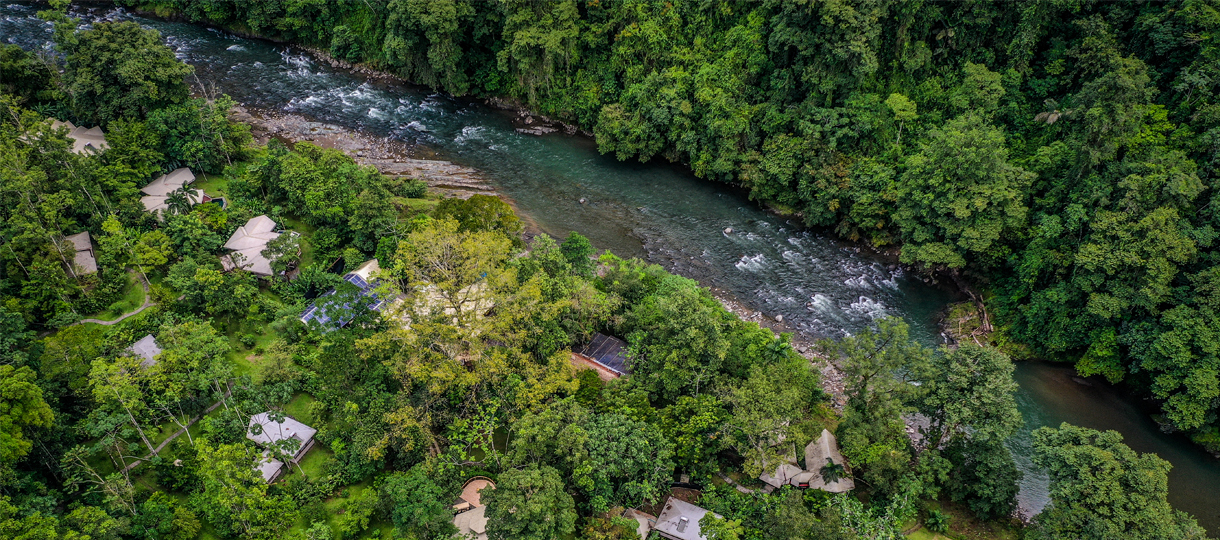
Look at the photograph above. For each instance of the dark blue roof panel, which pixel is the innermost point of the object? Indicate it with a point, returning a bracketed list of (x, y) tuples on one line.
[(608, 351), (325, 309)]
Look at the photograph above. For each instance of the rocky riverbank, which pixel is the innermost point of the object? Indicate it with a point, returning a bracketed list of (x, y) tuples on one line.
[(392, 158)]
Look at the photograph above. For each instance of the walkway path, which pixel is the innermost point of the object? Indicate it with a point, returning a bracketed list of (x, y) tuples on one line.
[(147, 304), (171, 438), (733, 483)]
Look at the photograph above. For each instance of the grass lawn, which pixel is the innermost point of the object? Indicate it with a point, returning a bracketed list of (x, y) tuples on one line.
[(964, 525), (298, 407), (159, 433), (307, 250), (409, 208), (314, 461), (336, 506), (215, 185), (924, 534), (133, 297), (243, 358)]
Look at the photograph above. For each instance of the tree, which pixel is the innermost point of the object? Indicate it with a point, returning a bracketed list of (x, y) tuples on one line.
[(878, 366), (14, 338), (191, 370), (903, 109), (358, 511), (22, 409), (959, 194), (198, 133), (714, 527), (284, 252), (693, 423), (1101, 489), (630, 462), (415, 504), (34, 525), (120, 70), (984, 476), (971, 393), (454, 264), (118, 388), (979, 92), (540, 40), (179, 201), (529, 504), (677, 338), (577, 250), (557, 436), (481, 213), (234, 498), (191, 236), (162, 518), (154, 250), (768, 408)]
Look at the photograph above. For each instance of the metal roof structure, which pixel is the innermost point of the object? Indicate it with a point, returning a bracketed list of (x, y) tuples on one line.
[(327, 309), (680, 520), (91, 140), (83, 260), (249, 241), (821, 452), (147, 349), (610, 352), (156, 193)]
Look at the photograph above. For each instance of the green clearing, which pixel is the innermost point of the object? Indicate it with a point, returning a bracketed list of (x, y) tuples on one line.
[(924, 534), (409, 208), (132, 299), (298, 408), (314, 462)]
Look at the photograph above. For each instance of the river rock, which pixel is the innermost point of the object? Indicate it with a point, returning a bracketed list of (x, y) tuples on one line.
[(391, 158)]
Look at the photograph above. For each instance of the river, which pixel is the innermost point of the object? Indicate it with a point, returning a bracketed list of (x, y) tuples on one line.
[(823, 287)]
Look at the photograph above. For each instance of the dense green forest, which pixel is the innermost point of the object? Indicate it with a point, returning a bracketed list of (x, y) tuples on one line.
[(458, 362), (1059, 154)]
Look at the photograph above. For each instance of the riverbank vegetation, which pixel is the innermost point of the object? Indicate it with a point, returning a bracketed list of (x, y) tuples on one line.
[(455, 363), (1060, 156)]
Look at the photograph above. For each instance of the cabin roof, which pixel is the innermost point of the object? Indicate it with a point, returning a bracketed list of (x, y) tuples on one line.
[(250, 240), (325, 312), (167, 183), (608, 351), (817, 454), (147, 349), (83, 259), (680, 520), (471, 497), (273, 431), (472, 524), (84, 140)]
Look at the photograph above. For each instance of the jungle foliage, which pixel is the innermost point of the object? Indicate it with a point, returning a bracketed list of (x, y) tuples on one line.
[(469, 372), (1061, 153)]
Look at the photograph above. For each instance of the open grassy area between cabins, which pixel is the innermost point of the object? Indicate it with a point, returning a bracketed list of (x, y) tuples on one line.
[(132, 299)]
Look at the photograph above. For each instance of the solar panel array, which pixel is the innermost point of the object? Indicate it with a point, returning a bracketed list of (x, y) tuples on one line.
[(610, 352), (324, 312)]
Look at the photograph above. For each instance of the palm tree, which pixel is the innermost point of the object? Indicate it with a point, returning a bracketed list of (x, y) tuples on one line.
[(833, 472), (179, 201)]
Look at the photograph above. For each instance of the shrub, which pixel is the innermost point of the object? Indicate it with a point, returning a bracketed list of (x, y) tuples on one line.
[(937, 521)]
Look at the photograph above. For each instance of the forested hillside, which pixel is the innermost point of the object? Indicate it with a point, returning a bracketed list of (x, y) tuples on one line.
[(1061, 154), (202, 337)]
